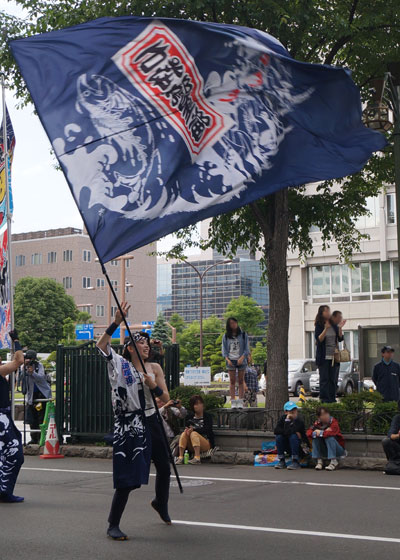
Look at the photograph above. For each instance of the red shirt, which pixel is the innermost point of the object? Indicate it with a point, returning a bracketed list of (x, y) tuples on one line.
[(333, 430)]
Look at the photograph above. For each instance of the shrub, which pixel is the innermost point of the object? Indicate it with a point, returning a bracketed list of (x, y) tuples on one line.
[(380, 418), (183, 393)]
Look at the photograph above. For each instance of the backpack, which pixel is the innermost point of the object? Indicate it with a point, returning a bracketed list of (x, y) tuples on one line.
[(393, 467)]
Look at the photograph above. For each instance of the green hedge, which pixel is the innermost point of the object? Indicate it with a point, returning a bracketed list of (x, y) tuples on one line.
[(183, 393), (365, 410)]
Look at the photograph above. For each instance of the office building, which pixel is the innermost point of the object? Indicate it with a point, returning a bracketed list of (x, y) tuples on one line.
[(178, 286), (67, 256), (365, 292)]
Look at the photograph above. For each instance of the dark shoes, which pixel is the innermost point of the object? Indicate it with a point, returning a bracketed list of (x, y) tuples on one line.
[(162, 511), (281, 464), (115, 533), (10, 499), (294, 466)]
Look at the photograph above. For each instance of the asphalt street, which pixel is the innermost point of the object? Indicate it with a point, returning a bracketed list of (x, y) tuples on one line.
[(235, 512)]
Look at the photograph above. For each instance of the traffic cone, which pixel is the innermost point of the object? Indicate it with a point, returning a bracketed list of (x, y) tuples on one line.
[(302, 396), (52, 445)]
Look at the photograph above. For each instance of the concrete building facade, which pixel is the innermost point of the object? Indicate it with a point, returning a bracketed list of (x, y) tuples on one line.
[(365, 292), (67, 256)]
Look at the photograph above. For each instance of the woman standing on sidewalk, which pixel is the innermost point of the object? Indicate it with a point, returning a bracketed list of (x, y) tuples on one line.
[(11, 454), (235, 350), (327, 336), (137, 433)]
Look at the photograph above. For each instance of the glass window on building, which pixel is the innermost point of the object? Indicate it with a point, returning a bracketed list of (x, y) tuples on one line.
[(87, 255), (67, 282), (67, 255), (113, 310), (114, 262), (391, 217), (372, 219), (51, 257), (100, 283), (114, 283), (86, 282), (36, 258), (361, 281), (99, 310), (20, 260)]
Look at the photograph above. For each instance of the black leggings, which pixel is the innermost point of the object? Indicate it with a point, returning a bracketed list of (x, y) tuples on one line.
[(160, 458)]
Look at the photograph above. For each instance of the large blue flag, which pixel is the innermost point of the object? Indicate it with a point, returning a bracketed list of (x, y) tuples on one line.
[(159, 123)]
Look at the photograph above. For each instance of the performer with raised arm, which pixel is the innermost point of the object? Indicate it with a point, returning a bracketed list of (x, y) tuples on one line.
[(11, 454), (137, 432)]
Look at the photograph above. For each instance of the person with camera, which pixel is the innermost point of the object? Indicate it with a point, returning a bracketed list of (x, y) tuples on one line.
[(171, 412), (35, 387), (11, 454)]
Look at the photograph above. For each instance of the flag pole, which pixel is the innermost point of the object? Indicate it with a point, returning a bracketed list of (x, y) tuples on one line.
[(9, 252), (133, 343)]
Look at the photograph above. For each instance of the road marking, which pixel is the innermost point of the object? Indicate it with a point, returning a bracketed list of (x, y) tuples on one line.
[(247, 480), (288, 531)]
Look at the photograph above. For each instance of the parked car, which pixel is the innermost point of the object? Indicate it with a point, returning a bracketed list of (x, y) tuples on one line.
[(299, 374), (222, 377), (369, 384), (347, 382)]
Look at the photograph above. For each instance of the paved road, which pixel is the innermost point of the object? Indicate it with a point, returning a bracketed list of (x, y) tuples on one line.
[(234, 512)]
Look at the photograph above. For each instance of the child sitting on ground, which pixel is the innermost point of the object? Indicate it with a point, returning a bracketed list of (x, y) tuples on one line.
[(327, 440), (290, 433)]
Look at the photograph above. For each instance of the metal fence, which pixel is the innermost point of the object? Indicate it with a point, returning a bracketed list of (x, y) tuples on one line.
[(359, 422), (83, 395)]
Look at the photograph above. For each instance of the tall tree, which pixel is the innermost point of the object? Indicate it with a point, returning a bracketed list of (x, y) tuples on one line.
[(178, 322), (360, 35), (249, 315), (161, 330), (42, 309), (189, 342), (259, 353)]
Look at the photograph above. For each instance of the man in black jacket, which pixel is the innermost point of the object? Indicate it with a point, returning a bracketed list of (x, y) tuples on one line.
[(290, 431), (391, 444), (386, 376)]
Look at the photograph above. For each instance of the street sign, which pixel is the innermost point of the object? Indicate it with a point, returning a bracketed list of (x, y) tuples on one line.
[(117, 333), (148, 327), (84, 331), (200, 376)]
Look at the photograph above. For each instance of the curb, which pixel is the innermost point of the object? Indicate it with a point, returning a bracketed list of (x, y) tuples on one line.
[(219, 457)]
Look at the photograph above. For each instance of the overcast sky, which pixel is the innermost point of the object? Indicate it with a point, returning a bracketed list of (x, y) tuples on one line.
[(42, 199)]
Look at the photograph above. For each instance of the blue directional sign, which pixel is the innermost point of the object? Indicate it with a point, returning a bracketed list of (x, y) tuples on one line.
[(148, 327), (84, 331)]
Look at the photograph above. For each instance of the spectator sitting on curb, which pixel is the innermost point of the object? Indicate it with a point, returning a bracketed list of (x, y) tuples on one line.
[(391, 444), (290, 432), (198, 436), (170, 412), (327, 440)]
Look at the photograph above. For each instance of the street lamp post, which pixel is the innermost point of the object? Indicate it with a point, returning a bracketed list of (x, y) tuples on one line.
[(381, 115), (201, 276)]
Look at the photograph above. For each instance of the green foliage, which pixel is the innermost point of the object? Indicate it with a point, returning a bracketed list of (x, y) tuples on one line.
[(41, 307), (211, 401), (247, 311), (50, 361), (178, 322), (3, 353), (84, 317), (161, 330), (189, 342), (259, 354), (68, 331), (365, 409)]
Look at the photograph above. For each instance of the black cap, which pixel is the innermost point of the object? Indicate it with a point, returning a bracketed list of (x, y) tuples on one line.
[(31, 355), (387, 349)]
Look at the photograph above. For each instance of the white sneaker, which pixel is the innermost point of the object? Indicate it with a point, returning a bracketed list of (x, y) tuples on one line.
[(332, 465), (320, 465), (239, 403), (234, 404)]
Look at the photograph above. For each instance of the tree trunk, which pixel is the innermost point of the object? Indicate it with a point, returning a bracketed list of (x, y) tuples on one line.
[(274, 224)]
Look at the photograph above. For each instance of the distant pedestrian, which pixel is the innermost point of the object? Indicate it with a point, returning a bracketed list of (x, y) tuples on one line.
[(235, 350), (327, 336), (386, 376), (251, 384), (327, 440), (290, 434), (170, 413), (36, 387)]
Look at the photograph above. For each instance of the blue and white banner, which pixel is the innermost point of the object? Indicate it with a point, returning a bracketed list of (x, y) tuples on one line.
[(160, 123)]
